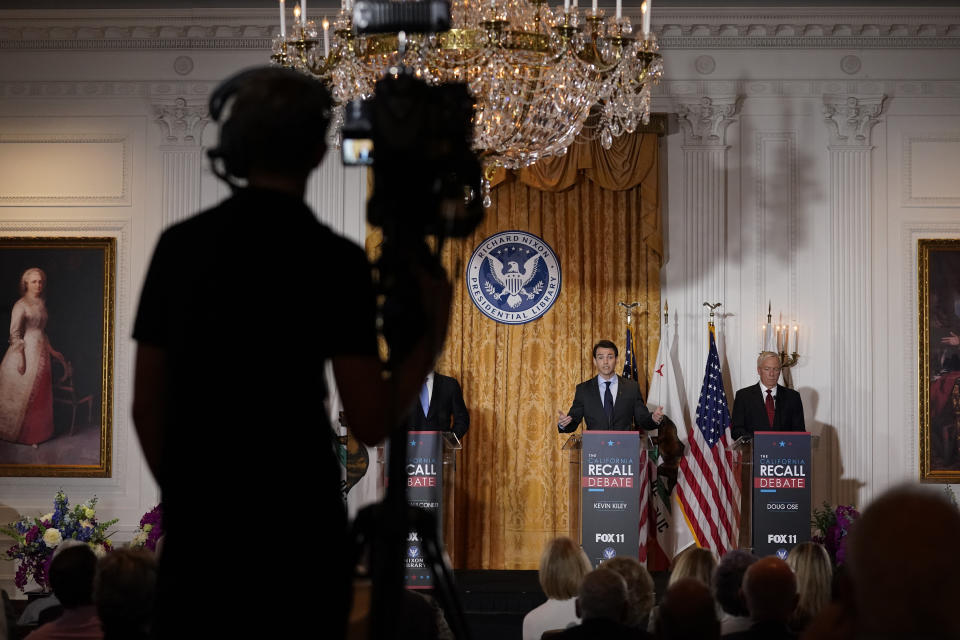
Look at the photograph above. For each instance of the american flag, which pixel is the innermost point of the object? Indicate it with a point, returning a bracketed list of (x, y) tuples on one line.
[(708, 485), (630, 359)]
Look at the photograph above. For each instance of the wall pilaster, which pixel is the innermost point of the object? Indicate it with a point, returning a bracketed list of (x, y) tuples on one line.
[(850, 120)]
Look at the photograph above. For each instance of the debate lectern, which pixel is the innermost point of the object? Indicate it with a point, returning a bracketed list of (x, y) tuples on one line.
[(604, 474)]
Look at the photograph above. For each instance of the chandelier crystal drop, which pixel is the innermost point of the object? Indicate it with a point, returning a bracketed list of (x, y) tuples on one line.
[(536, 74)]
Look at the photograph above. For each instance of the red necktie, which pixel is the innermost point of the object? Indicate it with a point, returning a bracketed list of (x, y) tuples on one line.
[(771, 409)]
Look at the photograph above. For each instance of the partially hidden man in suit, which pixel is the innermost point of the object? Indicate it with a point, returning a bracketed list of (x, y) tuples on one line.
[(440, 407), (608, 401), (767, 406)]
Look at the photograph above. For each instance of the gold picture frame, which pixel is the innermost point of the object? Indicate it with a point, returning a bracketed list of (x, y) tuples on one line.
[(56, 373), (938, 297)]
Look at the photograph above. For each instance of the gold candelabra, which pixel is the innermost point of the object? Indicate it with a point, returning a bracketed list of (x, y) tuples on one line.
[(780, 334)]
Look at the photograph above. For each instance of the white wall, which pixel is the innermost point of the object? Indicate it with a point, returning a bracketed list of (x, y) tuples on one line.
[(823, 227), (760, 203)]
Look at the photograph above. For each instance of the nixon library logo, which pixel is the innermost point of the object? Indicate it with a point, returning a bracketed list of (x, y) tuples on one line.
[(513, 277)]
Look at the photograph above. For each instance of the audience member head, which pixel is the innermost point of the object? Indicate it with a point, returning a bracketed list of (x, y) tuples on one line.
[(904, 568), (71, 575), (728, 579), (770, 589), (687, 612), (694, 562), (640, 595), (603, 595), (563, 565), (811, 565), (125, 590)]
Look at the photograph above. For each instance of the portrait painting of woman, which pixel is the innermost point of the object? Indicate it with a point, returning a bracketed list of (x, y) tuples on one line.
[(56, 369), (939, 297), (26, 381)]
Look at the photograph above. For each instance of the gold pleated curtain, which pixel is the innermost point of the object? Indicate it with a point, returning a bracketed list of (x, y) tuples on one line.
[(599, 210)]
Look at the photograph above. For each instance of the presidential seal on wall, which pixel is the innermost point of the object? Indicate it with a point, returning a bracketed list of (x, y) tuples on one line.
[(513, 277)]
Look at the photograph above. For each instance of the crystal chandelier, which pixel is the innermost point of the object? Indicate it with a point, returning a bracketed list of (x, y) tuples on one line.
[(537, 74)]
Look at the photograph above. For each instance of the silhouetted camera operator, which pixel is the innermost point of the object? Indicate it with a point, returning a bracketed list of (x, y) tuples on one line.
[(241, 307)]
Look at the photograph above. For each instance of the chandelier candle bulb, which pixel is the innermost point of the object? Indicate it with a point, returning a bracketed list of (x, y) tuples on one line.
[(645, 8), (619, 9), (296, 16), (326, 37), (796, 339), (283, 19), (303, 12), (594, 7)]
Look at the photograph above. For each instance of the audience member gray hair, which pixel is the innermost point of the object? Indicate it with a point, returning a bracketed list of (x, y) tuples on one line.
[(728, 578), (688, 612), (640, 596), (603, 595)]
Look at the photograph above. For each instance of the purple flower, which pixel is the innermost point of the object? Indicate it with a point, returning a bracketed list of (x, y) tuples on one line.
[(32, 534), (20, 579)]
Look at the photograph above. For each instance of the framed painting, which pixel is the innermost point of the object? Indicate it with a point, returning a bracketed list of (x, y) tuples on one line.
[(56, 373), (938, 291)]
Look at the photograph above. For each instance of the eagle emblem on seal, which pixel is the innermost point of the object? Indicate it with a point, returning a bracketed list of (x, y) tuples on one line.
[(513, 277), (513, 281)]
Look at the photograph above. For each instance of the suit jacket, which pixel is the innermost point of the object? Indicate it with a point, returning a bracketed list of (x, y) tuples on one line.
[(750, 411), (764, 630), (600, 629), (629, 410), (446, 403)]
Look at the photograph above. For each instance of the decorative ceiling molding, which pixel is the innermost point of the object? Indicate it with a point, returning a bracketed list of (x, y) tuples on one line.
[(132, 89), (723, 28), (761, 88), (664, 93)]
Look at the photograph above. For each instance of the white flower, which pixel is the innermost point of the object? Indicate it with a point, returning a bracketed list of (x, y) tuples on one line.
[(46, 517), (98, 550), (139, 540), (86, 524), (87, 511), (52, 537), (147, 527)]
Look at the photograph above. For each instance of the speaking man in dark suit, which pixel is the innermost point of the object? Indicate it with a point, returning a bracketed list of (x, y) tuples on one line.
[(608, 402), (440, 403), (767, 406)]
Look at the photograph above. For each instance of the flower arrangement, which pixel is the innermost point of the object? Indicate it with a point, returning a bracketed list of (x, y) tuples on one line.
[(951, 496), (832, 527), (150, 531), (36, 538)]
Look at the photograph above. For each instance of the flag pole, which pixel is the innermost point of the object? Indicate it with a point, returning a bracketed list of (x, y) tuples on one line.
[(664, 336), (630, 359), (712, 307), (629, 309)]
